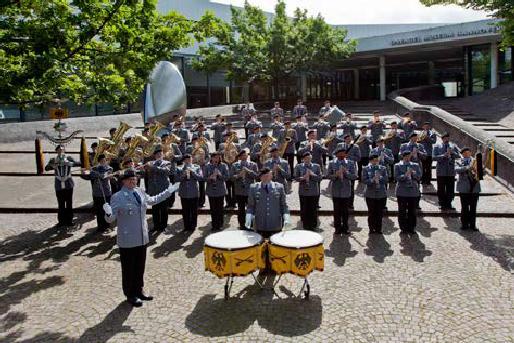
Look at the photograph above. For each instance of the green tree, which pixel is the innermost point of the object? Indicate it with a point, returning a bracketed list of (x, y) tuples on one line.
[(88, 51), (501, 9), (252, 47)]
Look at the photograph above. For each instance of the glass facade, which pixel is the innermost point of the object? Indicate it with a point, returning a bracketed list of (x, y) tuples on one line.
[(479, 68), (505, 65)]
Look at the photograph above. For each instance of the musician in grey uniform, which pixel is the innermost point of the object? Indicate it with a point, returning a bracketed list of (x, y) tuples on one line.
[(279, 168), (301, 129), (201, 132), (252, 124), (256, 151), (308, 175), (341, 172), (218, 128), (445, 155), (289, 153), (299, 109), (189, 176), (276, 127), (322, 128), (201, 163), (313, 146), (408, 125), (348, 126), (428, 139), (364, 142), (375, 177), (216, 173), (267, 207), (276, 110), (128, 208), (253, 138), (353, 153), (158, 173), (62, 164), (243, 174), (229, 130), (407, 174), (468, 185), (183, 134), (417, 155), (336, 140), (173, 154), (376, 127), (325, 109), (101, 189), (394, 139), (385, 156)]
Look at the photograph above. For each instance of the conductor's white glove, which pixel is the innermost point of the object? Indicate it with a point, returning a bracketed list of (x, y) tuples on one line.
[(287, 219), (173, 187), (107, 209), (248, 220)]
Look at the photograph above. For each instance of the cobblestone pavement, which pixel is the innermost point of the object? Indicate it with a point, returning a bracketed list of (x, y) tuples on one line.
[(439, 286)]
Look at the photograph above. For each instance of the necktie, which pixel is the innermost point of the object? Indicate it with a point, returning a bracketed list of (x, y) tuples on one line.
[(138, 198)]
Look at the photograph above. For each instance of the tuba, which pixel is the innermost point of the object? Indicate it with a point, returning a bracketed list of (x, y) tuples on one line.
[(230, 151), (199, 152), (287, 139), (153, 139), (265, 147), (134, 149), (167, 142), (117, 138), (103, 146)]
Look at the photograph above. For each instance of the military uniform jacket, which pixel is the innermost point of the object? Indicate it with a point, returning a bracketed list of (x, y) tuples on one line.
[(365, 147), (445, 165), (175, 157), (322, 128), (409, 147), (267, 206), (62, 169), (299, 110), (395, 143), (216, 188), (317, 151), (100, 184), (324, 110), (255, 152), (183, 134), (355, 152), (251, 140), (218, 129), (376, 129), (386, 159), (242, 184), (374, 190), (158, 174), (283, 173), (205, 134), (276, 111), (311, 187), (429, 142), (189, 186), (301, 131), (407, 186), (333, 144), (341, 188), (276, 128), (464, 182), (408, 128), (348, 128), (131, 215), (290, 149), (251, 125)]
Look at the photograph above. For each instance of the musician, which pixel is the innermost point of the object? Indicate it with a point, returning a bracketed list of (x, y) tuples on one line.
[(468, 185), (393, 140), (353, 153), (376, 127), (364, 142), (101, 189), (229, 184), (216, 173), (335, 140), (267, 207), (335, 115), (201, 162), (325, 109), (301, 127), (158, 172), (62, 164), (385, 155), (279, 167), (182, 133), (427, 139), (259, 147), (243, 174), (313, 146), (445, 155), (276, 110), (309, 176), (408, 125), (276, 126), (375, 177), (112, 131), (201, 132), (92, 153), (348, 126), (407, 174), (172, 153), (197, 121), (230, 130), (289, 152), (252, 124), (218, 129), (189, 176), (341, 173), (300, 109), (253, 138), (247, 111), (128, 208)]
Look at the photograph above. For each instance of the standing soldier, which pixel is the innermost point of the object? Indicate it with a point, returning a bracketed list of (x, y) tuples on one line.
[(225, 147), (276, 110), (428, 139), (408, 125), (158, 172), (376, 127), (299, 109), (101, 187), (348, 126), (279, 168), (189, 176), (364, 143), (325, 109), (313, 146), (218, 129), (374, 176), (385, 156), (288, 133), (309, 176), (252, 124), (335, 140), (353, 153), (128, 207), (393, 140), (173, 154), (408, 175), (301, 128), (201, 132), (417, 154), (258, 149), (468, 185), (267, 207), (243, 174), (62, 164), (445, 155), (216, 173), (322, 128), (229, 130), (201, 162), (276, 126), (253, 138), (341, 173)]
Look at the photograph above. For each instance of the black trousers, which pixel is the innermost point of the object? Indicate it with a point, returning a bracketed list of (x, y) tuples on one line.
[(216, 207), (133, 262), (468, 214), (98, 203), (241, 200), (230, 197), (352, 196), (217, 145), (290, 160), (426, 164), (309, 211), (391, 168), (189, 213), (160, 215), (375, 213), (364, 161), (298, 157), (341, 206), (65, 204), (201, 199), (407, 213), (445, 190)]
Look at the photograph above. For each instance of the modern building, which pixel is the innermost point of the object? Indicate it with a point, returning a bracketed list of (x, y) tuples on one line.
[(464, 58)]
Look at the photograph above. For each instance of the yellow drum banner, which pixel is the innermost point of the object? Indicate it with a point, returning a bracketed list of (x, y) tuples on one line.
[(300, 262), (239, 262)]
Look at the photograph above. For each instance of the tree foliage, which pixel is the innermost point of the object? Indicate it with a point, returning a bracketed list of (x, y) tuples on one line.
[(251, 47), (501, 9), (87, 50)]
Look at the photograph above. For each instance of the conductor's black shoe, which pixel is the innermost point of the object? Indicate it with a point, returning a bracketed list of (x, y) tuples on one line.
[(145, 297), (135, 301)]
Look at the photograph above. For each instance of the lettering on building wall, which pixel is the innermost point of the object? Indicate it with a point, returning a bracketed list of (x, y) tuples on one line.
[(445, 35)]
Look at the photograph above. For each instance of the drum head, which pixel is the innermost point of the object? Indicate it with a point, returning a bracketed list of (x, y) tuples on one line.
[(296, 239), (234, 239)]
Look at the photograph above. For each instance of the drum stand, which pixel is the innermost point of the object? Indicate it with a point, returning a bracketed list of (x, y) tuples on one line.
[(230, 282), (305, 287)]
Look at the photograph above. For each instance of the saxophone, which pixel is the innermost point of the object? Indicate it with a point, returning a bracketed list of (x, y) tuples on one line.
[(230, 151), (264, 153), (287, 139)]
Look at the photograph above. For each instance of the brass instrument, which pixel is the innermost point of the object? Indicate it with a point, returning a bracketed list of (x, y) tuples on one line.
[(103, 145), (134, 149), (265, 147), (153, 139), (117, 138), (328, 140), (423, 136), (199, 150), (230, 151), (476, 169), (287, 139), (360, 139), (390, 135), (166, 144)]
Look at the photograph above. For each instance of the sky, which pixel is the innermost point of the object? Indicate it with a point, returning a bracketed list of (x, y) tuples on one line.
[(372, 11)]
